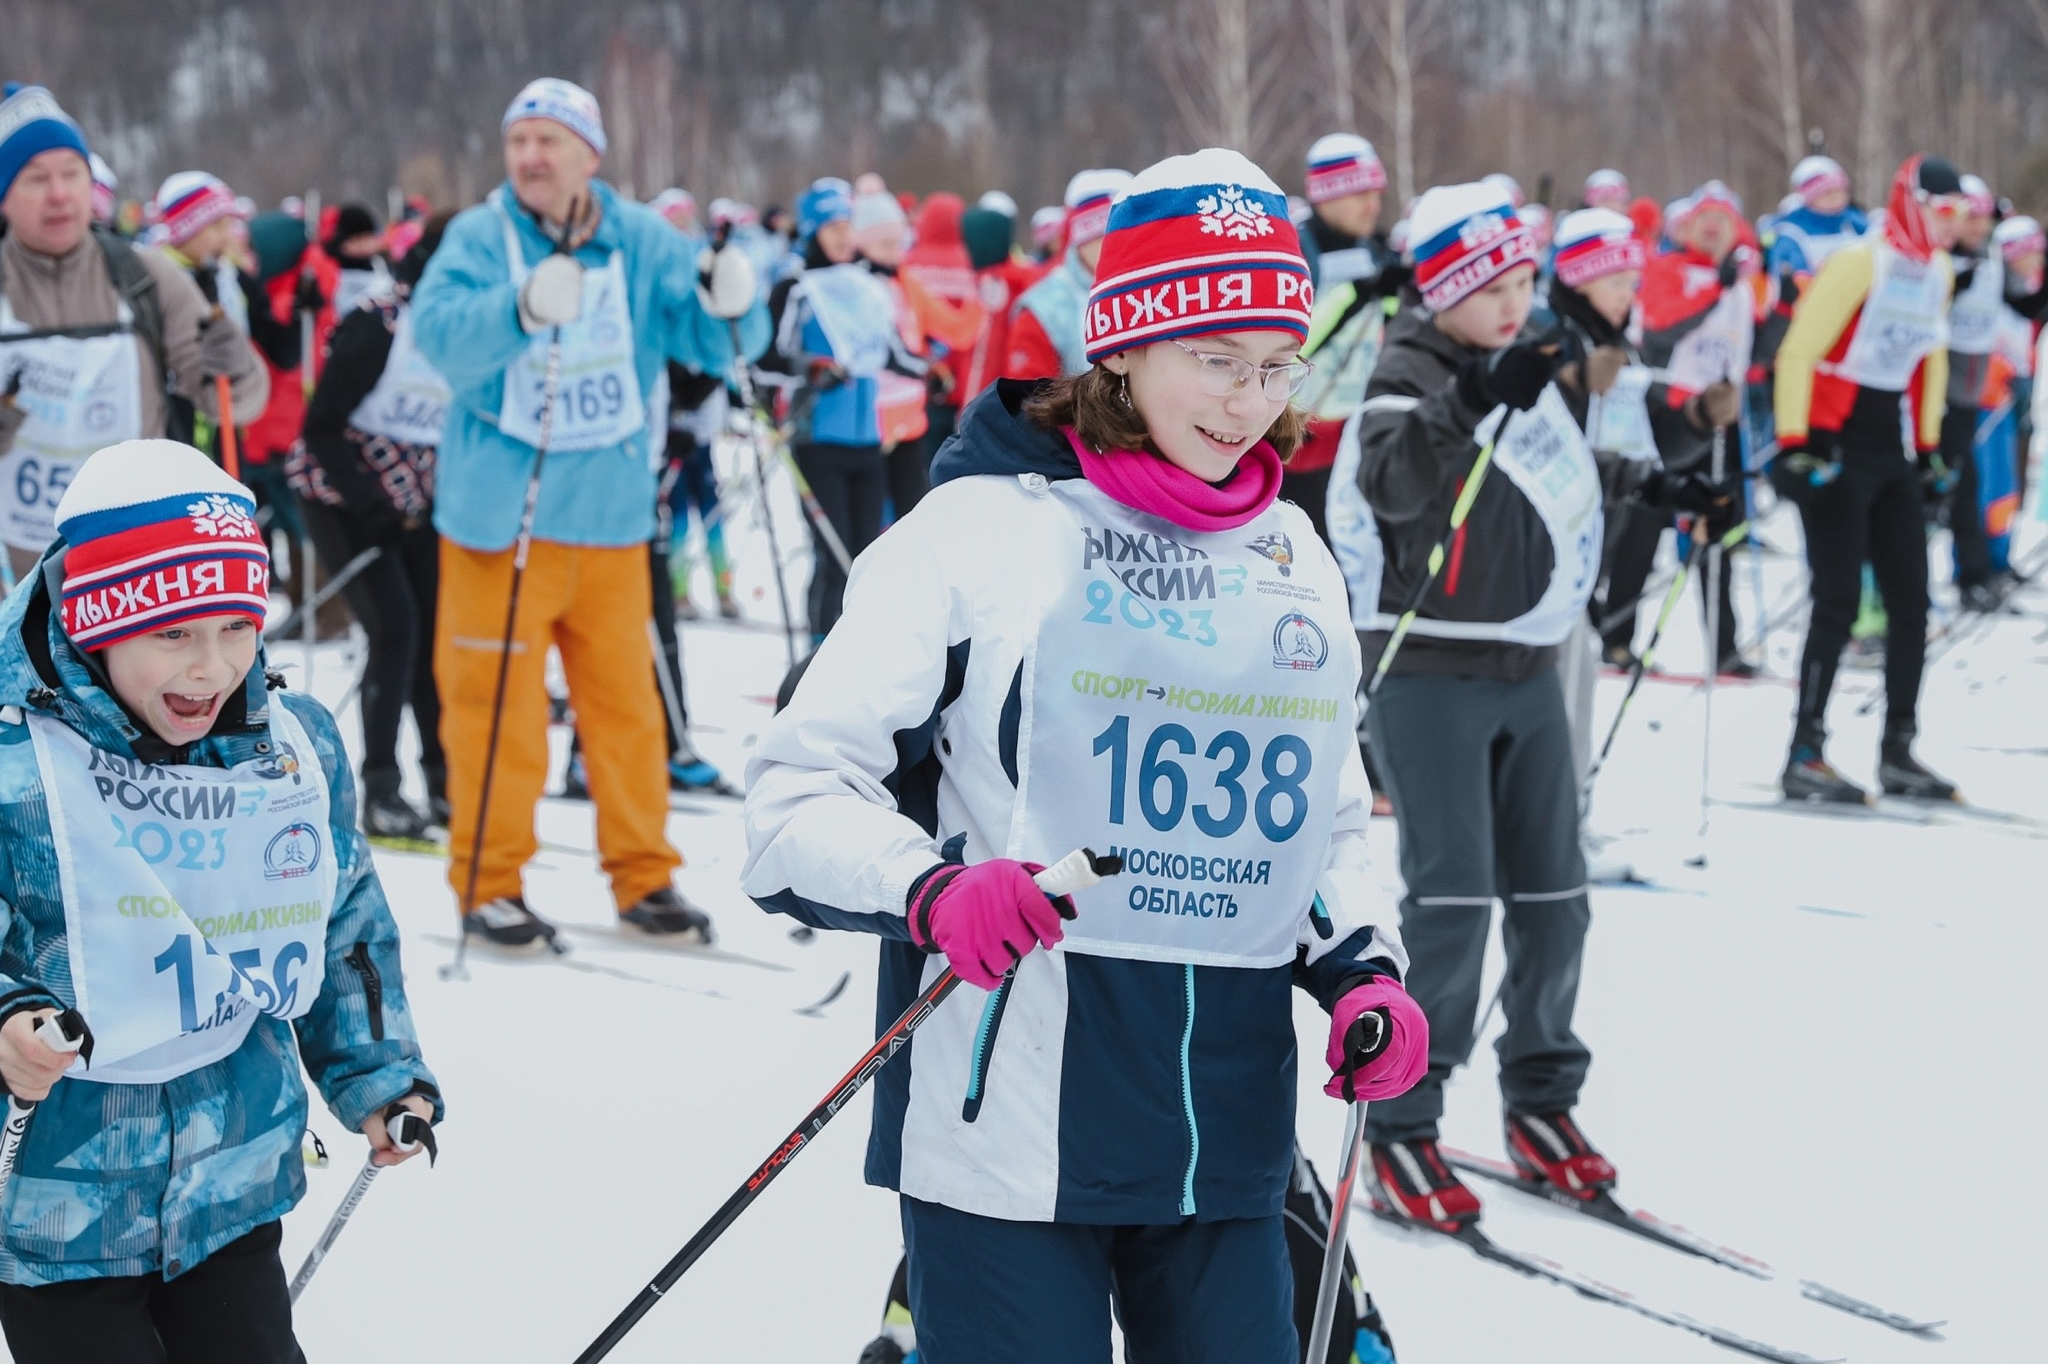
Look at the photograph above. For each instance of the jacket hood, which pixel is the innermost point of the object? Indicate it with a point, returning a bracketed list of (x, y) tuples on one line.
[(995, 437), (938, 227), (41, 670)]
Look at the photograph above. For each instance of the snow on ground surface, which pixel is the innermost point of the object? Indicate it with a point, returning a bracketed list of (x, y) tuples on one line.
[(1820, 1050)]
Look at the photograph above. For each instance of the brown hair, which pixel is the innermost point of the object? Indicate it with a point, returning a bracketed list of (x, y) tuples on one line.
[(1098, 406)]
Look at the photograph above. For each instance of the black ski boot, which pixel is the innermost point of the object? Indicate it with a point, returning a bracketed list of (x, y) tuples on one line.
[(1900, 773), (507, 922), (664, 912), (439, 811), (1809, 777), (389, 817)]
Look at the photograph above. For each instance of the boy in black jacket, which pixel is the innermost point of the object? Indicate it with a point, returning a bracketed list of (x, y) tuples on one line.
[(1469, 725)]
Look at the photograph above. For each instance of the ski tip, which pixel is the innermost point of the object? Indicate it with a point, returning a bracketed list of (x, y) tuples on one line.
[(817, 1010)]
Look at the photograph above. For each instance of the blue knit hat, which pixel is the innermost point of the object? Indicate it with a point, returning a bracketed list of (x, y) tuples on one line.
[(828, 200), (30, 124)]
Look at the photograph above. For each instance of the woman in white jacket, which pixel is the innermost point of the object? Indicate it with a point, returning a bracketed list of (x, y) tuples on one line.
[(1102, 629)]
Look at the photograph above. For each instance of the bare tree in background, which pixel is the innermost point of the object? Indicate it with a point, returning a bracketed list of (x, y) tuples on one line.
[(1883, 57), (1777, 27), (1336, 17), (1224, 63), (1406, 34)]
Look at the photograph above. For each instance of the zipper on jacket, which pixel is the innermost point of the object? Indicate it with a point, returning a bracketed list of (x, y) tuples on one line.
[(984, 1044), (1187, 1099), (373, 987)]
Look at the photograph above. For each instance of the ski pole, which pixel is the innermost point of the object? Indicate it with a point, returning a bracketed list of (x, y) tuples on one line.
[(1331, 1283), (746, 382), (1460, 509), (327, 593), (65, 1031), (409, 1131), (1635, 676), (1713, 631), (1078, 870), (521, 546), (816, 512), (224, 403)]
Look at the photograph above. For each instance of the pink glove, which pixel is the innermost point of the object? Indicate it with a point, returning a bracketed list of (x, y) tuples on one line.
[(986, 918), (1401, 1034)]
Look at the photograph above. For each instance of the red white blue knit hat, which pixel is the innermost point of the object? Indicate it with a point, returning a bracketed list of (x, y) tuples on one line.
[(157, 533), (1463, 237), (1816, 175), (2019, 236), (1341, 164), (1197, 244), (1606, 188), (1594, 242), (188, 201), (565, 102), (1983, 203), (1089, 196)]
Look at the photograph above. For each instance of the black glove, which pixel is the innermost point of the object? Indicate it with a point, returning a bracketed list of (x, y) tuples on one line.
[(1393, 276), (308, 299), (1731, 268), (1937, 481), (1698, 495), (209, 284), (1515, 375), (1800, 470)]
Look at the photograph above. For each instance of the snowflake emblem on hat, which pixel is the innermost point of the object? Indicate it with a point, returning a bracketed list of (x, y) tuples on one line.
[(217, 515), (1227, 213)]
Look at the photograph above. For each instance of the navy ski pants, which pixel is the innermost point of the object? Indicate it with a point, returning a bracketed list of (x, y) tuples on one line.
[(984, 1290)]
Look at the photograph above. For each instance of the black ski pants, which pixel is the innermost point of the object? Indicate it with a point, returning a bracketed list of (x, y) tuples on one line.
[(1965, 516), (1480, 772), (1872, 511), (233, 1305), (394, 598), (848, 482)]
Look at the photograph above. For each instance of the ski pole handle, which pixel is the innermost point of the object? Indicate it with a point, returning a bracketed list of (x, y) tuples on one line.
[(409, 1131), (60, 1032), (1078, 870)]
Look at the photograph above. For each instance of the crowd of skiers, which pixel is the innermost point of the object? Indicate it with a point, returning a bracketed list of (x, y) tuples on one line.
[(1299, 508)]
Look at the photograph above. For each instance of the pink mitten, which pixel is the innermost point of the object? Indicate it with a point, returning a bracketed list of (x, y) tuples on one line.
[(1376, 1058), (985, 918)]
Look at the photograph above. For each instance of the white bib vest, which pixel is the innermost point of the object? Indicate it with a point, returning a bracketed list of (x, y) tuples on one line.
[(1546, 456), (80, 393), (195, 898), (1978, 311), (1719, 347), (1903, 319), (1187, 701), (352, 286), (1618, 421), (598, 401), (410, 402), (855, 312)]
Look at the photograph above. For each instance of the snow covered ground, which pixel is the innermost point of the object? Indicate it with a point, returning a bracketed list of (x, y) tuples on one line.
[(1818, 1050)]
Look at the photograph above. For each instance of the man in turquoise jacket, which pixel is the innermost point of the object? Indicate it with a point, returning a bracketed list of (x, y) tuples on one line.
[(556, 272)]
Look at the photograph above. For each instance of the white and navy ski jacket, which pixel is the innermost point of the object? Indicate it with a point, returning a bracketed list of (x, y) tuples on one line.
[(1091, 1088)]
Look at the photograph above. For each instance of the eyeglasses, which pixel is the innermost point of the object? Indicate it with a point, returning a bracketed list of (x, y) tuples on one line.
[(1223, 375)]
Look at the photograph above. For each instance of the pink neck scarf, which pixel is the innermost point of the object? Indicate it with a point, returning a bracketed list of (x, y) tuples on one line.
[(1148, 483)]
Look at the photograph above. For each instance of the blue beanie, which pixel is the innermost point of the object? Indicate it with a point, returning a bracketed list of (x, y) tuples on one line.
[(31, 123), (829, 200)]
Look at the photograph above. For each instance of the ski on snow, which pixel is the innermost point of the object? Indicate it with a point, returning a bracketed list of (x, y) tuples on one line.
[(1604, 1207), (1542, 1267)]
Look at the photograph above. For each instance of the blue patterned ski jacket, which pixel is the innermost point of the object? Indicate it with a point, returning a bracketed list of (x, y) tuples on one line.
[(120, 1179)]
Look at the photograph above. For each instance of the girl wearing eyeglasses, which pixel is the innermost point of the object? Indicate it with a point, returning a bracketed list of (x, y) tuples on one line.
[(1102, 629)]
